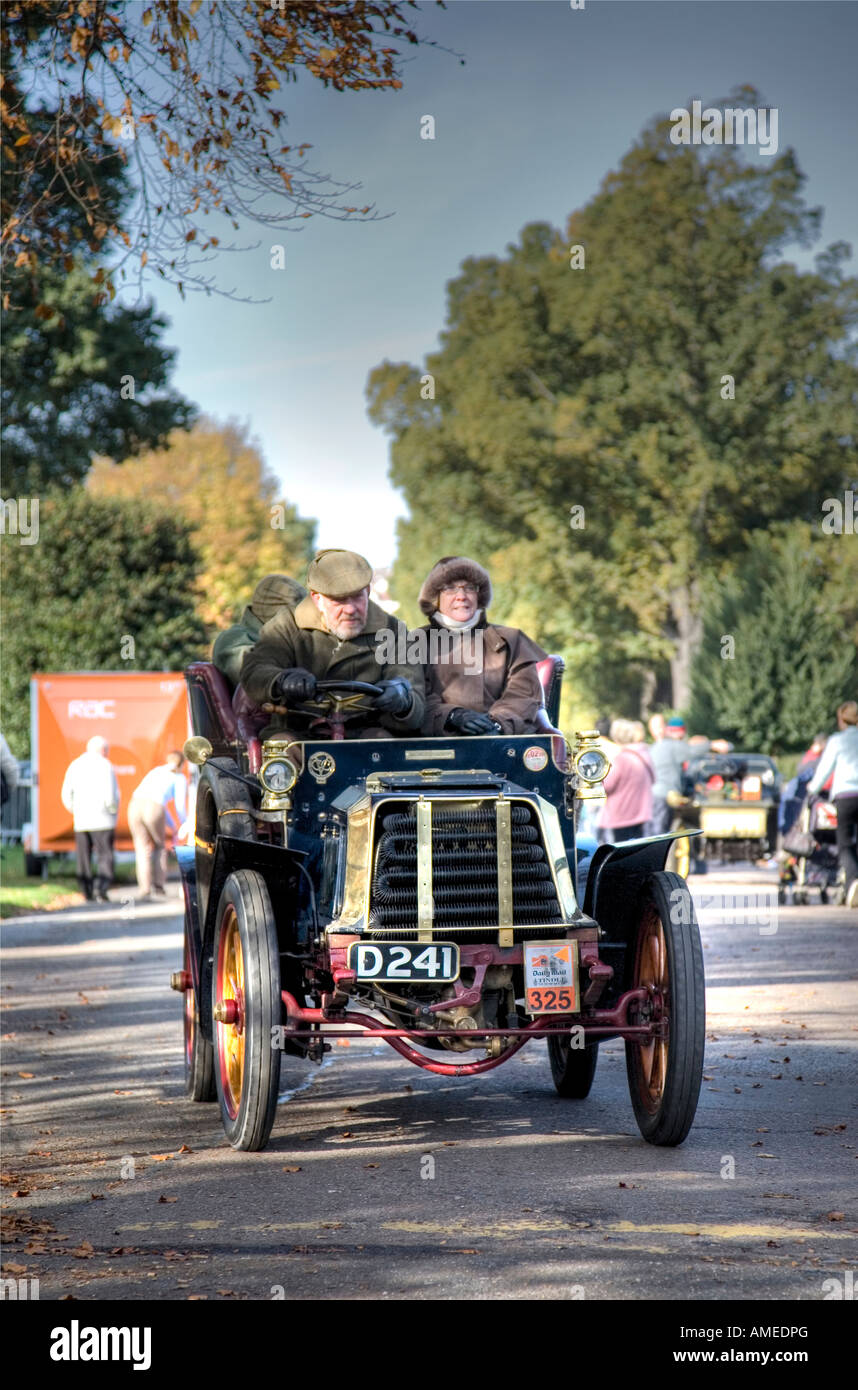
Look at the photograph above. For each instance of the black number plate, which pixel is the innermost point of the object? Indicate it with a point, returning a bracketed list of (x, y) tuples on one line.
[(400, 960)]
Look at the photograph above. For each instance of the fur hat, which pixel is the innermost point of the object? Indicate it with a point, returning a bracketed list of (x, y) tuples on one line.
[(274, 592), (449, 569)]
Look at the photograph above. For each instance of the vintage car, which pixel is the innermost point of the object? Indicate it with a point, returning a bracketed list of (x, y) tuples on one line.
[(430, 892), (733, 799)]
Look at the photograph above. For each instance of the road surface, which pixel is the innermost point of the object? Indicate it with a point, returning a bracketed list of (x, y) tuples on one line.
[(385, 1182)]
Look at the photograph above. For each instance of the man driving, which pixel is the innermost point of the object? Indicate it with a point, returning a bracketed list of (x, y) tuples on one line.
[(335, 634)]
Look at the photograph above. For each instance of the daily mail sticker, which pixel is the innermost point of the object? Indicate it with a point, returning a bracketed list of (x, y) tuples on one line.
[(535, 759), (551, 976)]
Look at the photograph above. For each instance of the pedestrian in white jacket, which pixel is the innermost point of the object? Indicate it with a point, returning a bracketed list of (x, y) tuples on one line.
[(91, 793), (840, 756)]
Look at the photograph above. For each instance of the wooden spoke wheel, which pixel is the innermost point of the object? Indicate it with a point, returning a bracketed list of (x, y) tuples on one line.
[(666, 957), (246, 1007), (199, 1054), (572, 1068)]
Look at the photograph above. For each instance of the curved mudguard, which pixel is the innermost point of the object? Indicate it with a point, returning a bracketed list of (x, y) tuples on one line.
[(230, 853), (611, 880)]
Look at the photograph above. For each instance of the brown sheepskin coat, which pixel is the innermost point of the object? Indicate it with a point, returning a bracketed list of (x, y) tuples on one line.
[(507, 688)]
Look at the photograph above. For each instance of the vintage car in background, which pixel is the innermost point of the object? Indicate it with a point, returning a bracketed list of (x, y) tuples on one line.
[(429, 892), (732, 798)]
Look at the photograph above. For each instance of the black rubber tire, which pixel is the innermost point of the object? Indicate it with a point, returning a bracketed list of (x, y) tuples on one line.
[(665, 1111), (572, 1068), (248, 1117), (199, 1053), (33, 864)]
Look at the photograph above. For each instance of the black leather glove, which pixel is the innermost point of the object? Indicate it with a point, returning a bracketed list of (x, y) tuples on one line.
[(294, 686), (395, 697), (470, 721)]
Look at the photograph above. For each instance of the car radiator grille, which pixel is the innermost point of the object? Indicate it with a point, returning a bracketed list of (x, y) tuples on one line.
[(464, 873)]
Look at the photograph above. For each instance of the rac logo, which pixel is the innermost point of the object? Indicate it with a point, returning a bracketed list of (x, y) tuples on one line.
[(92, 709)]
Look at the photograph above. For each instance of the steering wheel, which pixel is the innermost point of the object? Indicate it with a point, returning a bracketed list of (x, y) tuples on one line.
[(335, 697)]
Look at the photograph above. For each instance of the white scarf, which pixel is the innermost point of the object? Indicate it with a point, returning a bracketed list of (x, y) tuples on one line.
[(455, 626)]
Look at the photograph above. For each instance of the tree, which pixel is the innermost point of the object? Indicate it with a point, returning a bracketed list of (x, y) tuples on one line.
[(214, 478), (183, 93), (608, 437), (110, 585), (79, 377), (779, 649)]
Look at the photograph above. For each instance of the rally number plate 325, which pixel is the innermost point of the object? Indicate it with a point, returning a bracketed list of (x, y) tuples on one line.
[(404, 960), (551, 977)]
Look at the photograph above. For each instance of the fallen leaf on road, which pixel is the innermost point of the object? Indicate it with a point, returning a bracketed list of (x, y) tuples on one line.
[(84, 1251), (370, 1165), (160, 1158), (162, 1198), (195, 1297), (21, 1192), (332, 1225), (464, 1252), (347, 1134), (834, 1216), (185, 1150), (292, 1168), (27, 1075), (96, 1196), (15, 1269)]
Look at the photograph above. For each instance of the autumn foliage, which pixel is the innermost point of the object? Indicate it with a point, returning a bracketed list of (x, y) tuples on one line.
[(184, 95)]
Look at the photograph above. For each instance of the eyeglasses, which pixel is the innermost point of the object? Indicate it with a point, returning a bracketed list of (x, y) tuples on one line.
[(460, 589)]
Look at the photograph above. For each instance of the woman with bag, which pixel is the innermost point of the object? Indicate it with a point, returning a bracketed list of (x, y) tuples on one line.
[(840, 756), (628, 786)]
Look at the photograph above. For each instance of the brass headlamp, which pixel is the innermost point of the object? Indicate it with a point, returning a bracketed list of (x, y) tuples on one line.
[(278, 775), (590, 765)]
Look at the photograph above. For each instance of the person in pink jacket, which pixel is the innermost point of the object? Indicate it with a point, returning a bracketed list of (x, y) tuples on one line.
[(628, 785)]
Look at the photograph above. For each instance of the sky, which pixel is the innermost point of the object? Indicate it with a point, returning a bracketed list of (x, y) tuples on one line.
[(546, 103)]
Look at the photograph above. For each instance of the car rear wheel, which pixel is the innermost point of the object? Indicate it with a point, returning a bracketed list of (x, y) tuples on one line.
[(199, 1054), (665, 1072), (246, 1007), (572, 1068)]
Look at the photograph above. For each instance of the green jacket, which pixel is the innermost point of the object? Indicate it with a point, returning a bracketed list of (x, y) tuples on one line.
[(299, 638), (230, 646)]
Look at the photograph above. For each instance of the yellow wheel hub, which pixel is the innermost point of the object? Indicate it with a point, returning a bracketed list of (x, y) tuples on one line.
[(230, 986), (652, 974)]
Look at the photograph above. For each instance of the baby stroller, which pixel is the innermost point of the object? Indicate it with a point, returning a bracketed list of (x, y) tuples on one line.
[(810, 862)]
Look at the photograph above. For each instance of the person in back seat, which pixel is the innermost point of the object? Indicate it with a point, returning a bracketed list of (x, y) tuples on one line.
[(272, 593)]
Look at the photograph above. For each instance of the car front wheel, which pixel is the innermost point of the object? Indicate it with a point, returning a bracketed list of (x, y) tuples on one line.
[(666, 957), (246, 1008)]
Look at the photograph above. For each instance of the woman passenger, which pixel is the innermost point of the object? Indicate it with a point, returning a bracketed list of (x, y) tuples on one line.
[(481, 678)]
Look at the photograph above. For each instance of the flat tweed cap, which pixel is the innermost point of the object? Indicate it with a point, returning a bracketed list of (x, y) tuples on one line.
[(274, 592), (337, 573), (454, 569)]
